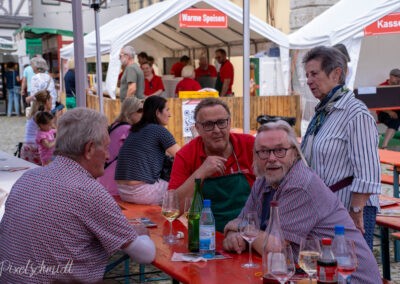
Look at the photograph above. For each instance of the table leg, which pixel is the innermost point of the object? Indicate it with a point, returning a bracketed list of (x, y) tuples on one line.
[(395, 182), (385, 255)]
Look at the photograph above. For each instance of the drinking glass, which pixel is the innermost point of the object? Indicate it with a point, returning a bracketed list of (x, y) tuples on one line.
[(188, 203), (309, 254), (170, 210), (346, 260), (249, 229), (282, 264)]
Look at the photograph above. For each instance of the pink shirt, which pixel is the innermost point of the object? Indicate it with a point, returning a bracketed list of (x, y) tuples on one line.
[(117, 137), (44, 152)]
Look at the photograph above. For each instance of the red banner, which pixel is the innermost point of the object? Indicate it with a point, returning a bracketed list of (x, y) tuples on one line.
[(388, 24), (202, 18)]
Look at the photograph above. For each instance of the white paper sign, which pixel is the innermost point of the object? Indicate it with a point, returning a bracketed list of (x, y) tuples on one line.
[(188, 107)]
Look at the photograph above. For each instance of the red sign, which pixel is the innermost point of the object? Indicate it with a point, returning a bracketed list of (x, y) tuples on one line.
[(388, 24), (202, 18)]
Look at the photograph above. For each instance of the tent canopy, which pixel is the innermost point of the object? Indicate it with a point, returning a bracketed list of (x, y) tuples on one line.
[(159, 23)]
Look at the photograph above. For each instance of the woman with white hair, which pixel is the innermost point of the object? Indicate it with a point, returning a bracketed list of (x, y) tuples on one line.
[(187, 83), (41, 80)]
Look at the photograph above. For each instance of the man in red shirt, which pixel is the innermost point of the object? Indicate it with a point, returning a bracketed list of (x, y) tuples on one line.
[(225, 75), (205, 69), (153, 84), (223, 161), (391, 118), (176, 69)]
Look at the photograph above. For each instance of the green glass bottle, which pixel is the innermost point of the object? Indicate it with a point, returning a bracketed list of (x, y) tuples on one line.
[(194, 217)]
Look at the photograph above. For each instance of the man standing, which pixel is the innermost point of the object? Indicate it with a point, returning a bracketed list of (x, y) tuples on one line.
[(205, 69), (306, 205), (176, 69), (60, 223), (132, 80), (26, 83), (225, 75), (223, 161)]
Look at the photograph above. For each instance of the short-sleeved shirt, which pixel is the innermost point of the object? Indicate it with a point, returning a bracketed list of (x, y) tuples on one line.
[(191, 156), (226, 72), (153, 85), (11, 77), (44, 152), (69, 80), (60, 216), (176, 69), (308, 207), (187, 84), (142, 155), (132, 74), (28, 74), (42, 81), (211, 71)]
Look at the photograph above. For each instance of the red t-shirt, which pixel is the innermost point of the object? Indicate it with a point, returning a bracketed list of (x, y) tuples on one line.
[(153, 85), (226, 72), (187, 84), (176, 69), (209, 72), (191, 156)]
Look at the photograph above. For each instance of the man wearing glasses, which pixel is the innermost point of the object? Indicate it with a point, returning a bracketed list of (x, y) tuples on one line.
[(306, 205), (222, 160), (132, 80)]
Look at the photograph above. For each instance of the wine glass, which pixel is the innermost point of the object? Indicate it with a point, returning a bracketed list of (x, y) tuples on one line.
[(309, 254), (346, 260), (249, 228), (188, 203), (170, 210), (282, 263)]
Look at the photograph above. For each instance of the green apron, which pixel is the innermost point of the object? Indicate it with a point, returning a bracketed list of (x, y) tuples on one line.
[(228, 195)]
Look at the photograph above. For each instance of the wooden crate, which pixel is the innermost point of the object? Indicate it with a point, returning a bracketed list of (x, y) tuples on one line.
[(271, 105)]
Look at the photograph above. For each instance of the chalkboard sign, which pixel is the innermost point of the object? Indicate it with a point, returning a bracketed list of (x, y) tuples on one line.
[(380, 97)]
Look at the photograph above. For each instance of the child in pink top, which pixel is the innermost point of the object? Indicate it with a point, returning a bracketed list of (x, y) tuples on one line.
[(45, 137)]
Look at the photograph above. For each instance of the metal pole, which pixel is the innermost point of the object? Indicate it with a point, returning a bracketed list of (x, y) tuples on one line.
[(246, 66), (99, 72), (79, 53)]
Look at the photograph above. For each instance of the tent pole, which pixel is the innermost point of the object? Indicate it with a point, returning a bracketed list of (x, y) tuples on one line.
[(246, 66), (99, 72), (79, 53)]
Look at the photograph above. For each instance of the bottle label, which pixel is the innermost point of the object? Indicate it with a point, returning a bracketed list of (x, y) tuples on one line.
[(207, 237), (327, 274)]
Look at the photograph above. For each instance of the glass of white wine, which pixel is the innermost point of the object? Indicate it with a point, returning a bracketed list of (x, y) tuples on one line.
[(282, 266), (310, 251), (170, 210), (188, 204)]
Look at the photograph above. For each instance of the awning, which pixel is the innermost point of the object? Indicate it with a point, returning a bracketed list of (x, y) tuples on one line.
[(31, 32)]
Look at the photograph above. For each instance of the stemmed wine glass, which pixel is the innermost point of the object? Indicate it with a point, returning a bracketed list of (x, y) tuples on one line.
[(170, 210), (282, 264), (309, 254), (346, 260), (249, 229), (188, 204)]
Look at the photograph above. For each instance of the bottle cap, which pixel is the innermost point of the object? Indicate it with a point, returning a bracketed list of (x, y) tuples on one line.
[(274, 203), (326, 241), (339, 230), (206, 203)]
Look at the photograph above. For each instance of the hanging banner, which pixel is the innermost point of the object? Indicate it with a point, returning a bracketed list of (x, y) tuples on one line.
[(388, 24), (203, 18)]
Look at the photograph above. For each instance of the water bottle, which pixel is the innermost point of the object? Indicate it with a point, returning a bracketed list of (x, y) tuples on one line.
[(327, 264), (339, 246), (207, 231), (194, 217)]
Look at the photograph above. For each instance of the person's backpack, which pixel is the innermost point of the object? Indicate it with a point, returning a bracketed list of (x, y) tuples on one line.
[(111, 128)]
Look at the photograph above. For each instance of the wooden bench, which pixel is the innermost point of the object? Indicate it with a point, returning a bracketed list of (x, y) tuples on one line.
[(396, 235), (386, 179)]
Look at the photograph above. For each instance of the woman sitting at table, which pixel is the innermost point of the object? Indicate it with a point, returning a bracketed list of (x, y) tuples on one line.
[(29, 150), (188, 83), (141, 158), (131, 112)]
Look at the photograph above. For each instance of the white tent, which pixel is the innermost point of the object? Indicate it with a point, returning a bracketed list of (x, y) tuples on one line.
[(344, 23), (158, 25)]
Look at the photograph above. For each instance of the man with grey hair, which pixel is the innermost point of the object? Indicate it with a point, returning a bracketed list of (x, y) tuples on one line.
[(132, 80), (306, 205), (60, 224)]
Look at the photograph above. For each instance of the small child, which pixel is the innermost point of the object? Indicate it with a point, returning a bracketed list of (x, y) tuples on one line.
[(45, 137)]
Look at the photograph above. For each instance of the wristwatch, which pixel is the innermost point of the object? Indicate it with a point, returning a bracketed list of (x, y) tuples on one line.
[(356, 209)]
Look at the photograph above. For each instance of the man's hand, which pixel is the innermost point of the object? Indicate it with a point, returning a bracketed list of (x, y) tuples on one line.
[(392, 114), (234, 242), (212, 165), (358, 220)]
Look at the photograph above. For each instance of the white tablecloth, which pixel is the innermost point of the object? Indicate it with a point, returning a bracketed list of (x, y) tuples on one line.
[(8, 178)]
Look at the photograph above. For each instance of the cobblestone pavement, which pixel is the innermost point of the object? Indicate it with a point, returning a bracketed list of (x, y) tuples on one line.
[(12, 132)]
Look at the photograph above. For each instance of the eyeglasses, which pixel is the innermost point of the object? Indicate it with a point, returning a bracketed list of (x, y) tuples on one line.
[(264, 154), (209, 125)]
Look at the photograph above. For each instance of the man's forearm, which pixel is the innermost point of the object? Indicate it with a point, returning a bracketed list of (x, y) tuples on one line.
[(225, 87), (359, 199)]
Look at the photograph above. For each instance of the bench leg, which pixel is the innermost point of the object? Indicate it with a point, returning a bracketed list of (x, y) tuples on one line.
[(385, 255)]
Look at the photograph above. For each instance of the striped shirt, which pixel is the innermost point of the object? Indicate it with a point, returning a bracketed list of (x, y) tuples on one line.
[(141, 157), (347, 145), (308, 207)]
